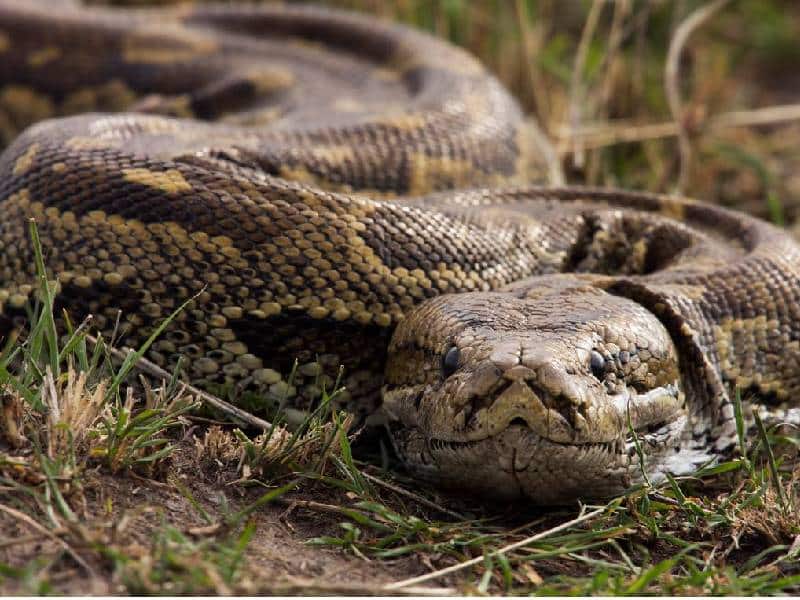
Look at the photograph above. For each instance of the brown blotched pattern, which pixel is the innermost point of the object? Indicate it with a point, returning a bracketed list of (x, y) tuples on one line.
[(267, 171), (141, 212)]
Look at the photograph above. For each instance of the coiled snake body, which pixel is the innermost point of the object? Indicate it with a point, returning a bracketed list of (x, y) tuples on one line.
[(271, 166)]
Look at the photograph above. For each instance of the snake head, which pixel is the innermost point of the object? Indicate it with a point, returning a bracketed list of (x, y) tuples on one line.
[(532, 392)]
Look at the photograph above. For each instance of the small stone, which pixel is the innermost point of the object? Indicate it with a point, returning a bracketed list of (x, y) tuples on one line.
[(206, 365), (282, 390), (267, 376), (249, 361)]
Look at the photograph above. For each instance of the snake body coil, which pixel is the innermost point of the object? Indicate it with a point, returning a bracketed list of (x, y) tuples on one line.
[(270, 169)]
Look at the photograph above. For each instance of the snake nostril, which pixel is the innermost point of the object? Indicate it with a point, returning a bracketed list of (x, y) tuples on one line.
[(501, 387)]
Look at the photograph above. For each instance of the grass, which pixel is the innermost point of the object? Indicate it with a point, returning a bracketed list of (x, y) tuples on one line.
[(177, 564), (69, 411), (688, 537), (113, 485), (732, 528)]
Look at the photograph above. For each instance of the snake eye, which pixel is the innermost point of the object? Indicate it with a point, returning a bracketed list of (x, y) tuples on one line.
[(597, 364), (450, 361)]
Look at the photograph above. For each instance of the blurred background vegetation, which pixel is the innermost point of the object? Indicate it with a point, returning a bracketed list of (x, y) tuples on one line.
[(592, 73), (597, 65)]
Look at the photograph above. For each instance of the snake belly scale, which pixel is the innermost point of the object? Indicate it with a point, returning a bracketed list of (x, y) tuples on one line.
[(337, 190)]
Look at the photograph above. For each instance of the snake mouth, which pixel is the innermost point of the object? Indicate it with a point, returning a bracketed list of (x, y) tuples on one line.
[(620, 445), (521, 449), (519, 426), (517, 462)]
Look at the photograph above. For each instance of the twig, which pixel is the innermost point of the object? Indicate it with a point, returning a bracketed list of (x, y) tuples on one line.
[(640, 24), (413, 496), (575, 87), (25, 539), (544, 149), (671, 84), (615, 37), (504, 550), (602, 135), (531, 44), (609, 72), (49, 534), (314, 506), (759, 116), (308, 587), (332, 509), (665, 499), (149, 367)]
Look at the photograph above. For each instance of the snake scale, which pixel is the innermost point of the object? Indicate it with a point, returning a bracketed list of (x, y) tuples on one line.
[(327, 188)]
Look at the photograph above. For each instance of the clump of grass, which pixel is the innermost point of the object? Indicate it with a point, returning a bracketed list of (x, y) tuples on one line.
[(30, 578), (127, 437), (68, 403), (69, 408), (309, 445), (178, 564), (64, 415)]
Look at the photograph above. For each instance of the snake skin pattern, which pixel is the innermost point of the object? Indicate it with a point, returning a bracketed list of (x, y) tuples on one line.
[(300, 177)]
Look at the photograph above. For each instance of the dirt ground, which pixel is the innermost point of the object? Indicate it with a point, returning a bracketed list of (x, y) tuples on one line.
[(125, 512)]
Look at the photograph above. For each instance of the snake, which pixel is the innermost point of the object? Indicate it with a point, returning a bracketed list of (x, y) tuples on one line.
[(281, 191)]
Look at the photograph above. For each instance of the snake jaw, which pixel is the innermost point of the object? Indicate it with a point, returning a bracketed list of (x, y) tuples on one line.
[(652, 409), (510, 465)]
